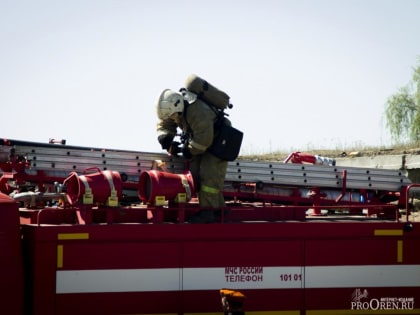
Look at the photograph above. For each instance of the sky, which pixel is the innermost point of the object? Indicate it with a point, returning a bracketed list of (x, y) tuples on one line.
[(301, 74)]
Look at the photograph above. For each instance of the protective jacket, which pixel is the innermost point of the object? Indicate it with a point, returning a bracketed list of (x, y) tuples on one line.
[(197, 121)]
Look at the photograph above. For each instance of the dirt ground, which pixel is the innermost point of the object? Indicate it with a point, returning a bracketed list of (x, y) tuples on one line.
[(413, 217), (281, 156)]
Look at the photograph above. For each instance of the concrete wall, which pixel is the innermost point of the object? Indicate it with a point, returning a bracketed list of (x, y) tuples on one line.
[(408, 162)]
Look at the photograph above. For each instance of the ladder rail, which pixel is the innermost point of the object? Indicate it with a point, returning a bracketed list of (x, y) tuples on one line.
[(59, 159)]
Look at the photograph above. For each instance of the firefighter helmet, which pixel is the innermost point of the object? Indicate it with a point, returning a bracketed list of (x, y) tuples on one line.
[(232, 295), (170, 102)]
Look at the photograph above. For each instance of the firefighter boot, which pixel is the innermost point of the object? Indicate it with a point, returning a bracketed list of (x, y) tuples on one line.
[(203, 216)]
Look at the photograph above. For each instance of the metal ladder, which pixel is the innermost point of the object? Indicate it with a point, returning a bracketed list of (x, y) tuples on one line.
[(58, 160)]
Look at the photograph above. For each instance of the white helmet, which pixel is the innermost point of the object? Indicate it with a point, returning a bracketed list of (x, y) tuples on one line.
[(170, 102)]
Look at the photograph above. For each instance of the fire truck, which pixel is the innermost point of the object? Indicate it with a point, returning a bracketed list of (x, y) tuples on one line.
[(100, 231)]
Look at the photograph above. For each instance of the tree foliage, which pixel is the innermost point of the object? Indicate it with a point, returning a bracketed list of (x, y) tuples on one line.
[(402, 111)]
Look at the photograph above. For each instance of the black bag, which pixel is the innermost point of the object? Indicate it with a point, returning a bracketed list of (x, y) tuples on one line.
[(227, 143)]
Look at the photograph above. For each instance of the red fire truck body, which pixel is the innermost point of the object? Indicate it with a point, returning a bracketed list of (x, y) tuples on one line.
[(142, 258)]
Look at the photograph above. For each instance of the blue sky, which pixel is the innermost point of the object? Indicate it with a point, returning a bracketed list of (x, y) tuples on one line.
[(301, 74)]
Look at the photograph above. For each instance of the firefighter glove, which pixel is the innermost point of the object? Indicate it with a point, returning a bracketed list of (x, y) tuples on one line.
[(165, 141), (186, 153), (175, 148)]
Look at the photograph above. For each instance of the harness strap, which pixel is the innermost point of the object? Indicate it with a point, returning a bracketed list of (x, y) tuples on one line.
[(186, 185), (87, 196)]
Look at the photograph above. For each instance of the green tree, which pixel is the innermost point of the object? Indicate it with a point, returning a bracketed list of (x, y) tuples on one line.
[(402, 111)]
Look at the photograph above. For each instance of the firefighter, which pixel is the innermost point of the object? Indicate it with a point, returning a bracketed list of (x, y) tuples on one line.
[(196, 119), (232, 302)]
